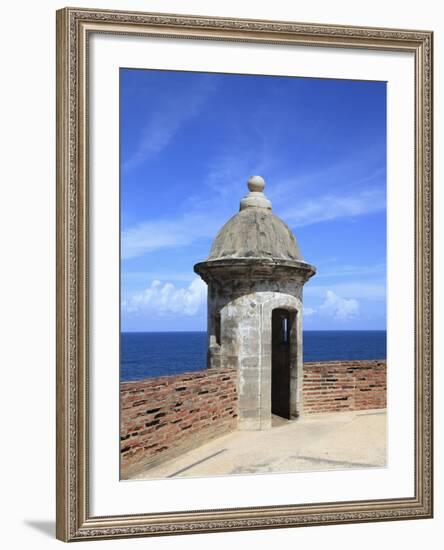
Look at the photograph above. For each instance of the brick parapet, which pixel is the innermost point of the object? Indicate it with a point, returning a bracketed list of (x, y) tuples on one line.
[(162, 417), (335, 386)]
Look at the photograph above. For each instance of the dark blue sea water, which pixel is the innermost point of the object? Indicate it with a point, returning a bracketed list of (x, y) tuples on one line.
[(145, 354)]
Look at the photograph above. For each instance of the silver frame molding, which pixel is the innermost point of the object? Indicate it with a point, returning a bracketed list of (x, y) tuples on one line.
[(74, 521)]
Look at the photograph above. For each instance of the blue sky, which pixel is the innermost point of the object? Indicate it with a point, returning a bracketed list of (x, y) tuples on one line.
[(189, 142)]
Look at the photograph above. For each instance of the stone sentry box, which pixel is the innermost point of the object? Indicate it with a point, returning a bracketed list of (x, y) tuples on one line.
[(255, 275)]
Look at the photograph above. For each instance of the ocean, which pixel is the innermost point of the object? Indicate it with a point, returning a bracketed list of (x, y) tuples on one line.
[(148, 354)]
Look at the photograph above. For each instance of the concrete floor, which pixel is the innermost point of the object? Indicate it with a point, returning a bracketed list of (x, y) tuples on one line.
[(333, 441)]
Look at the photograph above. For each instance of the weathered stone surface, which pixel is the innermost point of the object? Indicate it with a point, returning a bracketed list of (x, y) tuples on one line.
[(255, 233), (255, 267)]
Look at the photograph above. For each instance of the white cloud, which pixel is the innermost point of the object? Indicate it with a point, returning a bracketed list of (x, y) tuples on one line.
[(166, 298), (338, 308), (309, 311), (335, 307), (330, 207)]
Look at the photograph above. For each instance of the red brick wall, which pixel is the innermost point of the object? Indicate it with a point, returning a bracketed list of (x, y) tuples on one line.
[(344, 386), (165, 416)]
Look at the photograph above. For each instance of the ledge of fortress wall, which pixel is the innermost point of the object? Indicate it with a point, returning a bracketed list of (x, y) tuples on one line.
[(164, 417), (344, 386)]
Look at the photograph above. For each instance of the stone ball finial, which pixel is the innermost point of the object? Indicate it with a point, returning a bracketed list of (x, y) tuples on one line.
[(256, 184), (255, 197)]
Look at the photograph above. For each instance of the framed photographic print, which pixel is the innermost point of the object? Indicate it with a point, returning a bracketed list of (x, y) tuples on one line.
[(244, 274)]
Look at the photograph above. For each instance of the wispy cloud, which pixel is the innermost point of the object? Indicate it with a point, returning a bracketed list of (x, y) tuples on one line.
[(140, 278), (167, 119), (374, 290), (183, 231), (149, 236), (229, 170), (333, 206), (347, 270), (363, 171), (167, 298), (208, 217), (225, 184)]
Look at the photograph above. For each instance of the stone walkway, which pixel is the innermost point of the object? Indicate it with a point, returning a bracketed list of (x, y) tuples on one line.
[(333, 441)]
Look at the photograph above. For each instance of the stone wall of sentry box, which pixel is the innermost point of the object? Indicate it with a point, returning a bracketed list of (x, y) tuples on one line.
[(166, 416), (344, 386), (163, 417)]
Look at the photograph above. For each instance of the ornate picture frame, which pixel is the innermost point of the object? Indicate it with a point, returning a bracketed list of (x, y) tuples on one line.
[(74, 29)]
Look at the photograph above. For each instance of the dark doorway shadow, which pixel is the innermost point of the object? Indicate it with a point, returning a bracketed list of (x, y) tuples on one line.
[(47, 527), (282, 322)]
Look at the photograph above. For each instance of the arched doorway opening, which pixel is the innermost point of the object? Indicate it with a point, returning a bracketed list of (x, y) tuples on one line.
[(283, 360)]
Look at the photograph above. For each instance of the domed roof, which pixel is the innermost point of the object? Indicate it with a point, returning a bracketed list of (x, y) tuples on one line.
[(255, 232)]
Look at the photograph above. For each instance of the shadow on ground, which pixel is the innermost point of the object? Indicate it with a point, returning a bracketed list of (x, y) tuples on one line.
[(47, 527)]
